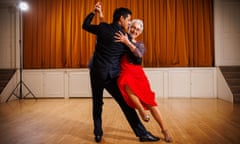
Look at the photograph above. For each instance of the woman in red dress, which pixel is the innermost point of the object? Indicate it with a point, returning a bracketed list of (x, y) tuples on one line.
[(133, 82)]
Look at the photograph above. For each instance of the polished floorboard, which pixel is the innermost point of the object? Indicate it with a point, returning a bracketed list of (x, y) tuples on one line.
[(69, 121)]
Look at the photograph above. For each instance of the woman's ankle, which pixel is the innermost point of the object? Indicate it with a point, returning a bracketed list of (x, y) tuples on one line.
[(145, 117)]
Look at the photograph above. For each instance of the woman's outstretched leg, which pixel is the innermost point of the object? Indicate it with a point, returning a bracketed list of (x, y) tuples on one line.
[(137, 104), (158, 117)]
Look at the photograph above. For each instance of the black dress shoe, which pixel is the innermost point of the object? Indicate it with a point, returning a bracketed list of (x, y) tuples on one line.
[(98, 139), (148, 137)]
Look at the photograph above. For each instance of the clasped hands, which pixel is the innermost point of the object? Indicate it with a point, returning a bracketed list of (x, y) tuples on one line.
[(98, 8)]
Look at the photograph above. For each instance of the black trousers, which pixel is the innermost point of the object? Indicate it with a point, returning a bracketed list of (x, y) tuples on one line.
[(98, 84)]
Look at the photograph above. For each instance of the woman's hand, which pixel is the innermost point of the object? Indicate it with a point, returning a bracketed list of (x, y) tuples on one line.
[(98, 8), (120, 37)]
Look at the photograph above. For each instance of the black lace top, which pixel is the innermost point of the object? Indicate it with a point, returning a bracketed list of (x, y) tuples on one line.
[(136, 56)]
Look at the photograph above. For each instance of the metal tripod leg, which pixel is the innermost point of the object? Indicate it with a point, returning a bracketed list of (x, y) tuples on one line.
[(20, 96)]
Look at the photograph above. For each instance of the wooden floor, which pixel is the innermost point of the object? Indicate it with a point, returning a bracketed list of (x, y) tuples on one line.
[(69, 121)]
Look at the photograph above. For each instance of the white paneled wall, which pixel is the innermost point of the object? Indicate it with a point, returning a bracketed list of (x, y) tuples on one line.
[(223, 90), (166, 83), (156, 79), (79, 84), (203, 83), (34, 80), (54, 84), (179, 83)]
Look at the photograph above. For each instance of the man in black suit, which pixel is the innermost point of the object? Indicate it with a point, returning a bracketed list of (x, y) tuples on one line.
[(105, 68)]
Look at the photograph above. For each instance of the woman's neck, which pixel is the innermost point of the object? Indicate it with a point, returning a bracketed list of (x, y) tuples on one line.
[(134, 40)]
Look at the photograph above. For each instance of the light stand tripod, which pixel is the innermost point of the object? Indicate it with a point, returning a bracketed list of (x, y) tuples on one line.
[(21, 83)]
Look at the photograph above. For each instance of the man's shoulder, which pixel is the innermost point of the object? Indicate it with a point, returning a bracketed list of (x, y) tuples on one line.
[(109, 27), (105, 24)]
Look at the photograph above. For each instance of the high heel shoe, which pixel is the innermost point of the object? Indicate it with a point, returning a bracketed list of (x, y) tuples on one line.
[(144, 116), (167, 138)]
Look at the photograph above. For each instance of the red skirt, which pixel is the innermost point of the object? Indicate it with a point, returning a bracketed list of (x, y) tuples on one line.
[(134, 76)]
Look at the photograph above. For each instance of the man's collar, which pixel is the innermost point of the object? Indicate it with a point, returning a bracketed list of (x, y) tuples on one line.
[(119, 26)]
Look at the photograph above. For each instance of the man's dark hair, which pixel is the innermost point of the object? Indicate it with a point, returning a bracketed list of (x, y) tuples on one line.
[(121, 12)]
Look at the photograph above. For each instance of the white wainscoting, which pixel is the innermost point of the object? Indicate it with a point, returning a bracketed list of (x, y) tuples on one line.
[(183, 82), (79, 84), (165, 82), (223, 90), (179, 83), (203, 83)]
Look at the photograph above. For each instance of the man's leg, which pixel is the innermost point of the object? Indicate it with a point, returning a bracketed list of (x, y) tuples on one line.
[(97, 103), (129, 112)]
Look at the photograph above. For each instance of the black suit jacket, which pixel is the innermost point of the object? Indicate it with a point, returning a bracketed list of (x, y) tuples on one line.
[(107, 54)]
